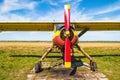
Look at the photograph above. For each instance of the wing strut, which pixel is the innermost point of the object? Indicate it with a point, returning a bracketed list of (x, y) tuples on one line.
[(82, 32)]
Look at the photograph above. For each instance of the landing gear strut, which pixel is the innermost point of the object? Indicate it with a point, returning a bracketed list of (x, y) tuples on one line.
[(38, 65), (93, 65)]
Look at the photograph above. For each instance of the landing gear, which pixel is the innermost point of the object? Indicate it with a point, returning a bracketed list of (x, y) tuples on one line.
[(93, 65), (38, 67)]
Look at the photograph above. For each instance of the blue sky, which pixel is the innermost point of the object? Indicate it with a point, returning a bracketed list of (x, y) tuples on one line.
[(52, 10)]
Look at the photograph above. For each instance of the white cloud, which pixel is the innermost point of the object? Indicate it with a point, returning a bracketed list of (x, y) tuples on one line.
[(107, 9), (51, 2), (113, 18), (14, 17), (103, 36), (9, 5), (53, 14), (5, 33), (65, 1), (58, 15)]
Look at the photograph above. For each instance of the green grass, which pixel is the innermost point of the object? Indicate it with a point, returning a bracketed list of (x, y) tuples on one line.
[(13, 66), (16, 62), (108, 61)]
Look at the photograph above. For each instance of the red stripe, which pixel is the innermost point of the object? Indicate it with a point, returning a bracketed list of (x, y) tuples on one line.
[(67, 50)]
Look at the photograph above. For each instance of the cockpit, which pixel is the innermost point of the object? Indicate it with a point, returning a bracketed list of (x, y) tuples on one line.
[(61, 26)]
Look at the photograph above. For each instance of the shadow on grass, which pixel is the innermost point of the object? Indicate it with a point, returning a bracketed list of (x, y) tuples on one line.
[(58, 56), (34, 56)]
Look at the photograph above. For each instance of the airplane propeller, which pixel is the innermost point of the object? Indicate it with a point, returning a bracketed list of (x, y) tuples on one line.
[(67, 53)]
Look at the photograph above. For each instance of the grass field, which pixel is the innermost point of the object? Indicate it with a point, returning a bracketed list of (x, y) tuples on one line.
[(18, 58)]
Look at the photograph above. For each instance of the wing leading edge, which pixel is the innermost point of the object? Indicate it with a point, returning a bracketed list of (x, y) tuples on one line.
[(49, 26), (97, 26), (26, 26)]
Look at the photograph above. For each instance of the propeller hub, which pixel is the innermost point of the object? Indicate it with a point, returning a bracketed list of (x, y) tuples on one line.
[(67, 33)]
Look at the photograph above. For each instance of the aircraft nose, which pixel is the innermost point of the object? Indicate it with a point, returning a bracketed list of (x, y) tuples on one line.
[(66, 33)]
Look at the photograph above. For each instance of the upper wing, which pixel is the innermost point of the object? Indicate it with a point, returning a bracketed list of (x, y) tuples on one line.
[(26, 26), (49, 26), (97, 26)]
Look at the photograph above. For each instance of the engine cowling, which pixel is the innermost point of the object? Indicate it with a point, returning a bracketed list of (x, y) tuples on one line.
[(59, 36)]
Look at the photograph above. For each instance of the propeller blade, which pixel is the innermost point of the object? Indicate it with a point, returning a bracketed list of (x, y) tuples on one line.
[(67, 52), (67, 16)]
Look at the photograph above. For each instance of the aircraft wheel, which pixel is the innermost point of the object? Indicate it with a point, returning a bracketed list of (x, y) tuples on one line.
[(38, 67), (94, 66)]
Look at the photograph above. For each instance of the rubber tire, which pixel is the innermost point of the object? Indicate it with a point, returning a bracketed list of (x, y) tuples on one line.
[(94, 68), (38, 68)]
